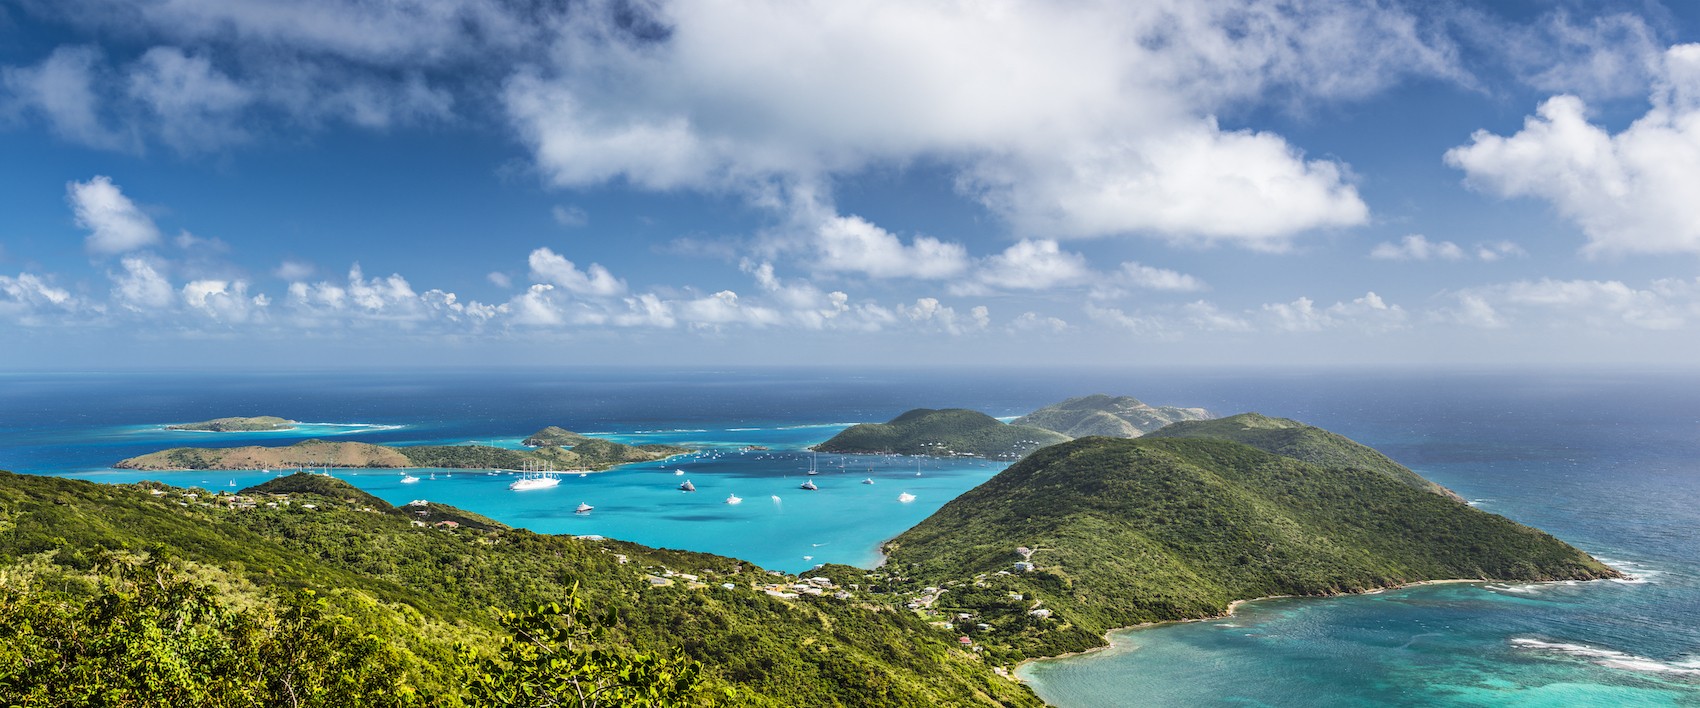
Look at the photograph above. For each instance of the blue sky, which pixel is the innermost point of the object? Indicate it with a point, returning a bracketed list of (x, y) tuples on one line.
[(453, 182)]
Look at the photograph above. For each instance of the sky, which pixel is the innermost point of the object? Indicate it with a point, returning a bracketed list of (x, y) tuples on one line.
[(325, 183)]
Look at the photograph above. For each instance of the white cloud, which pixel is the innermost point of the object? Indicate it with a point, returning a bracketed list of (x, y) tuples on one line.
[(929, 313), (1035, 322), (63, 89), (114, 223), (853, 244), (1608, 56), (723, 308), (197, 106), (140, 288), (1071, 120), (1033, 264), (1417, 247), (1205, 315), (223, 301), (551, 267), (1135, 323), (1143, 276), (1367, 313), (30, 299), (500, 279), (1499, 250), (1632, 192)]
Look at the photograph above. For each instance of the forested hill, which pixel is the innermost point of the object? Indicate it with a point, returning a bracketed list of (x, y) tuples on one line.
[(175, 597), (946, 432), (1290, 438), (1121, 532)]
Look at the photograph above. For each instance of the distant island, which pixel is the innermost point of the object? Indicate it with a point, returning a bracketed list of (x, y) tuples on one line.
[(586, 454), (1098, 533), (949, 432), (1112, 416), (262, 423)]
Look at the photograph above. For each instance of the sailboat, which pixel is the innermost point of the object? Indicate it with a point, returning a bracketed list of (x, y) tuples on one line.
[(812, 460), (538, 475)]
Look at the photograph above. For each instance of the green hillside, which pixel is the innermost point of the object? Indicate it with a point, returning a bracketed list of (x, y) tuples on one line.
[(1110, 416), (556, 436), (1123, 532), (951, 431), (421, 607), (1290, 438)]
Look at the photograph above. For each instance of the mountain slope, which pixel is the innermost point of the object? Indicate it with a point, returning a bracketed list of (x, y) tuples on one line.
[(951, 431), (424, 592), (1123, 532), (1099, 414), (1290, 438)]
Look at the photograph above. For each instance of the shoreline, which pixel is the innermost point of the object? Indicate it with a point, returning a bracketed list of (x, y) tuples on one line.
[(1235, 605)]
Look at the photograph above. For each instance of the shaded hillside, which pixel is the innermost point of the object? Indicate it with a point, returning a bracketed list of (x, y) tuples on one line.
[(1122, 532), (415, 596), (1290, 438), (1110, 416), (951, 431)]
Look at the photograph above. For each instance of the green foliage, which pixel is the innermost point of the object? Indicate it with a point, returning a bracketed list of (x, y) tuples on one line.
[(952, 431), (589, 454), (548, 662), (1290, 438), (1124, 532), (330, 487), (151, 638), (556, 436), (435, 594)]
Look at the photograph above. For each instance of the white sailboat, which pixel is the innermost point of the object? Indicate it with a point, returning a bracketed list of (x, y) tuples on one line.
[(538, 475)]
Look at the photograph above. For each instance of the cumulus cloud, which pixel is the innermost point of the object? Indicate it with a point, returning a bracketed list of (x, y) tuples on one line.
[(223, 301), (1632, 192), (1081, 119), (853, 244), (551, 267), (114, 223), (1369, 312), (1614, 55), (140, 287), (293, 270), (499, 279), (1663, 304), (31, 300), (1033, 264), (1035, 322)]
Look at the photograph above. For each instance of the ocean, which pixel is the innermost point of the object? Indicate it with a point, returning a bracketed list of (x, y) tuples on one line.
[(1608, 461)]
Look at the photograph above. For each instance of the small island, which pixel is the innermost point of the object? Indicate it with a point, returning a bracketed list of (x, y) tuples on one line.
[(588, 454), (951, 432), (257, 424)]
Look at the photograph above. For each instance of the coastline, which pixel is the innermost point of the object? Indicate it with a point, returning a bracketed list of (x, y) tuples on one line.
[(1235, 605)]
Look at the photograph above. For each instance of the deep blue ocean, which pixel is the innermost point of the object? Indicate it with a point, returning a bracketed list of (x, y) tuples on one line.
[(1609, 461)]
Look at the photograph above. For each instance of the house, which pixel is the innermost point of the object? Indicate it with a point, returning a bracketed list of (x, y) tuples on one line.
[(1023, 567), (1041, 613), (964, 640), (448, 524)]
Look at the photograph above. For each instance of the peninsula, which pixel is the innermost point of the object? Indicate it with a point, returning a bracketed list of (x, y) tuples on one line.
[(1099, 533), (948, 432), (262, 423), (586, 454)]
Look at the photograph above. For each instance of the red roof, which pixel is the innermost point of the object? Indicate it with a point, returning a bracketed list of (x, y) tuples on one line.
[(964, 640)]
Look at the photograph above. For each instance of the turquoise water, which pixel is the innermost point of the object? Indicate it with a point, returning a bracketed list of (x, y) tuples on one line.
[(1608, 461), (777, 524)]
